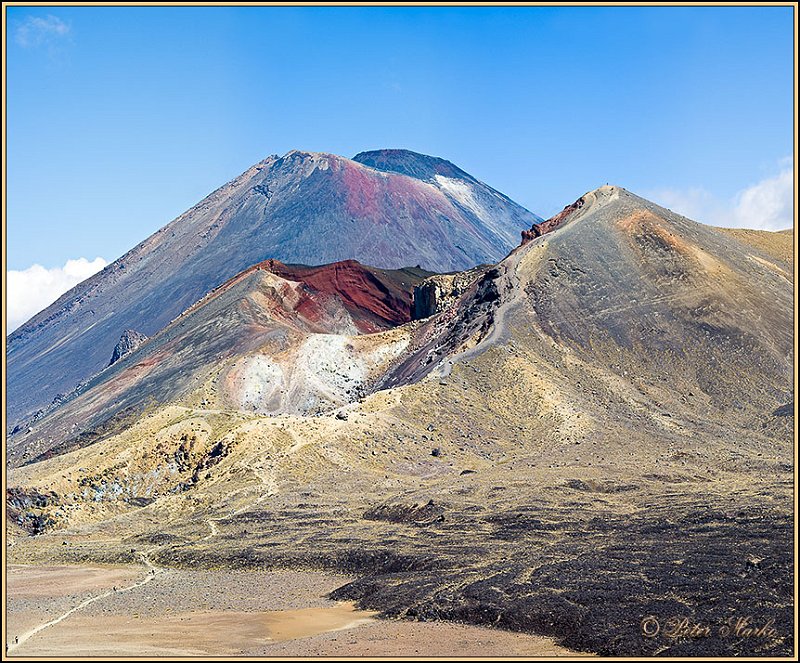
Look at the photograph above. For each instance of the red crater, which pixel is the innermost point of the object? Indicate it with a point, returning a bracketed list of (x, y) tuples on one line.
[(376, 299)]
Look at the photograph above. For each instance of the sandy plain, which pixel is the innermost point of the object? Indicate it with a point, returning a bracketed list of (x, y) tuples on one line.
[(101, 611)]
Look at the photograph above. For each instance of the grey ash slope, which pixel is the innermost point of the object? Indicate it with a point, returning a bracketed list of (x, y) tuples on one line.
[(304, 208), (658, 298)]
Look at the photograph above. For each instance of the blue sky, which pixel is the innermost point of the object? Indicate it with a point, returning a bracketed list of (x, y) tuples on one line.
[(119, 119)]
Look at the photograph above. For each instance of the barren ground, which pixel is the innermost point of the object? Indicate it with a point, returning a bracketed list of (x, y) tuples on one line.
[(223, 613)]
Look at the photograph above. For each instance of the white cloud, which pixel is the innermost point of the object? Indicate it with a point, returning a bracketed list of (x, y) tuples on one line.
[(37, 30), (34, 289), (766, 205)]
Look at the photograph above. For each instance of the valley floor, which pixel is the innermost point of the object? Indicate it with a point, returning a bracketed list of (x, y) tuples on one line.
[(152, 611)]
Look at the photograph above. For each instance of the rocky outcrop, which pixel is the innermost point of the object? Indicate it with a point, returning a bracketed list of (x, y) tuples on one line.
[(28, 509), (539, 229), (407, 514), (128, 342), (441, 291)]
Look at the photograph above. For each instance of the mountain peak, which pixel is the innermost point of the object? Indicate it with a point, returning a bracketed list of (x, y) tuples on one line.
[(307, 154), (588, 201), (413, 164), (305, 158), (304, 207), (607, 188)]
